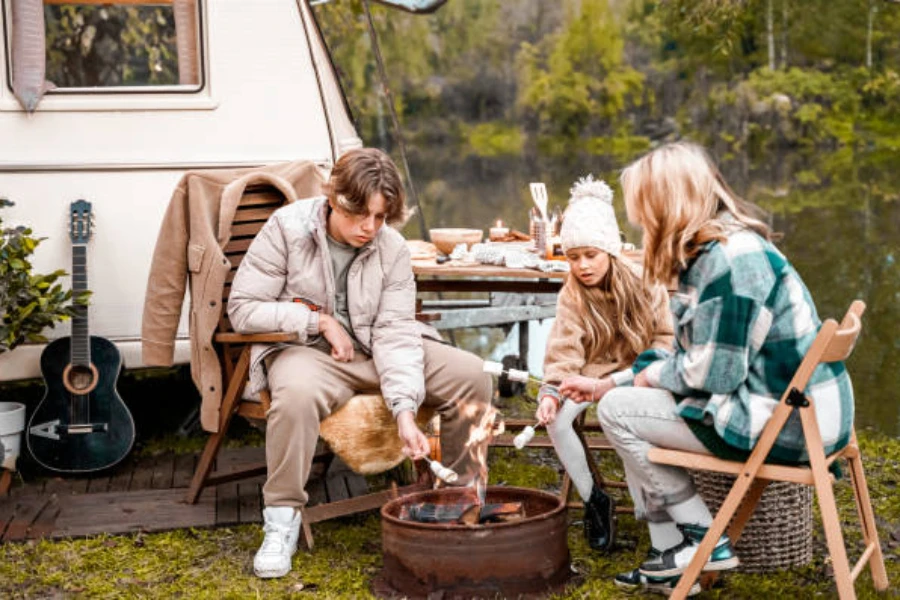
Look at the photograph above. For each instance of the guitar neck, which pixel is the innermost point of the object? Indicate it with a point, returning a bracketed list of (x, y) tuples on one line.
[(81, 343)]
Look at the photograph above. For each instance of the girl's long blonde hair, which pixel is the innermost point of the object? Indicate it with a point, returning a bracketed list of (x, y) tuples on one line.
[(674, 194), (618, 312)]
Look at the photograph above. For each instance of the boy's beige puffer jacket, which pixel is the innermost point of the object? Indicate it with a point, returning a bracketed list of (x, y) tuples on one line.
[(287, 271)]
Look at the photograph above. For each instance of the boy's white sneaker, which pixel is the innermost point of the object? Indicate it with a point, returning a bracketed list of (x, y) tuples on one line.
[(281, 525)]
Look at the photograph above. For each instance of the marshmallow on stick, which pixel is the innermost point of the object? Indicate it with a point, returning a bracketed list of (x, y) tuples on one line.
[(521, 440), (441, 472), (495, 368)]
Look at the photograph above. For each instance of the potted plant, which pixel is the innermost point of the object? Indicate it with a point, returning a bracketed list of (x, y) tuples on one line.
[(31, 302)]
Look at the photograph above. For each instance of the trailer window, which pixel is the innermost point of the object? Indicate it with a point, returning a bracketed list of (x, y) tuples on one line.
[(126, 44)]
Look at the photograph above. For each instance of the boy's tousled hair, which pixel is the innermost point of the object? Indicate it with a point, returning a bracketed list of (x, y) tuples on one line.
[(674, 193), (361, 173)]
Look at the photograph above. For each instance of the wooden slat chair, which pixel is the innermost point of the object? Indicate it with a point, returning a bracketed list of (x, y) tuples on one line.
[(833, 343), (233, 350)]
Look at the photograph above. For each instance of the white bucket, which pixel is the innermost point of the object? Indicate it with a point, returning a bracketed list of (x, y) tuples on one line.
[(12, 424)]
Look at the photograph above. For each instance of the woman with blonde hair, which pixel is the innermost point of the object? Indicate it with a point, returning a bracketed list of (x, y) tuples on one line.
[(743, 321), (606, 315)]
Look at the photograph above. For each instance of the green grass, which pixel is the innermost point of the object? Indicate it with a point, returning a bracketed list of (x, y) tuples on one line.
[(192, 563)]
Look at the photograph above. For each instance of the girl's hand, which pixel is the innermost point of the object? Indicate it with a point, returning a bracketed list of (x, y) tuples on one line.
[(334, 332), (585, 389), (546, 410), (415, 444), (640, 380)]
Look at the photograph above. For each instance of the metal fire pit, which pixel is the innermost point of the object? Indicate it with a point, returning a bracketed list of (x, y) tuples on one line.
[(527, 556)]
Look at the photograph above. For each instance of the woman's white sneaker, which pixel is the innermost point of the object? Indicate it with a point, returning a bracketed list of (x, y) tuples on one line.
[(281, 525)]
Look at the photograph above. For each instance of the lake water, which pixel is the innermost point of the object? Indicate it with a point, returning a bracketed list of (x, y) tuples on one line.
[(839, 214)]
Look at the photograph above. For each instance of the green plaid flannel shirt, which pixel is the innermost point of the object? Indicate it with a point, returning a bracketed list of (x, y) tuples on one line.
[(743, 321)]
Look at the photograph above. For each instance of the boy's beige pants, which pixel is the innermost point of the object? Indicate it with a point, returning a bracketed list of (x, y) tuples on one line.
[(307, 385)]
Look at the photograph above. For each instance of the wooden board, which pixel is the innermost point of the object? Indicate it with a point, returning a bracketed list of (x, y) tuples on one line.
[(146, 494)]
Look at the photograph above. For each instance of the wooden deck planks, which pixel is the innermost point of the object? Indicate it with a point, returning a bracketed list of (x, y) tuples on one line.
[(26, 510), (142, 510), (250, 501), (146, 494)]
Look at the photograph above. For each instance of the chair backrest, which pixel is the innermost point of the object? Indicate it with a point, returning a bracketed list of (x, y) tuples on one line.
[(256, 206), (833, 343), (844, 339)]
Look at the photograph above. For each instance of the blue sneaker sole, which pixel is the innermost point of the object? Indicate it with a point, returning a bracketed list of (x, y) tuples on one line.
[(664, 588)]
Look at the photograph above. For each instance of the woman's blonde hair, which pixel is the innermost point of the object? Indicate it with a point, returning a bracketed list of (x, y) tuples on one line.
[(674, 194), (618, 312)]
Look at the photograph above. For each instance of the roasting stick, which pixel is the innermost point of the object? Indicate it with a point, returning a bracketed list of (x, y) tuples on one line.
[(495, 368)]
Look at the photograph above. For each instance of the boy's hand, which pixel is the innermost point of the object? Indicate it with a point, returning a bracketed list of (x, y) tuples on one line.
[(334, 332), (415, 444), (546, 410)]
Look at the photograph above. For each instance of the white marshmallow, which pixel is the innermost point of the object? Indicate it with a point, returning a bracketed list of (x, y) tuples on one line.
[(442, 472), (494, 368), (517, 375), (521, 440)]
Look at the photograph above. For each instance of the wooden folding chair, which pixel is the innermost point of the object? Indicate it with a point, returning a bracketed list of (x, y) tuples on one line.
[(233, 350), (5, 481), (833, 343)]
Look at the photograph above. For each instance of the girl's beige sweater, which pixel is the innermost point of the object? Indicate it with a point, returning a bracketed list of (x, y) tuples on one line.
[(566, 350)]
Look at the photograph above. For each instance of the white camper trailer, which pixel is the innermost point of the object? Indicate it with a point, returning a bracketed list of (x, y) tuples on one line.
[(249, 83)]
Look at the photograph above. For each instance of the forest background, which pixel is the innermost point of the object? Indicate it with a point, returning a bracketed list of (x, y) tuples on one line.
[(797, 99)]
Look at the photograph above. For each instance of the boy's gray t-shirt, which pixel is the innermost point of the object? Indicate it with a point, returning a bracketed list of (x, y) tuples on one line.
[(342, 256)]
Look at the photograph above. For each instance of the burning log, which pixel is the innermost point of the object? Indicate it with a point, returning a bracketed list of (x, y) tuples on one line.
[(466, 513)]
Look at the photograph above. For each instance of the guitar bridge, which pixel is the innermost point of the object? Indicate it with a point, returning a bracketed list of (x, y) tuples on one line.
[(54, 429)]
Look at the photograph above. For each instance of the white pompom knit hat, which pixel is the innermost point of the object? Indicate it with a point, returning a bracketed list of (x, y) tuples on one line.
[(590, 219)]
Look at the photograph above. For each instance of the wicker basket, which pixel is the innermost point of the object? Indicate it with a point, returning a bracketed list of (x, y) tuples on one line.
[(779, 533)]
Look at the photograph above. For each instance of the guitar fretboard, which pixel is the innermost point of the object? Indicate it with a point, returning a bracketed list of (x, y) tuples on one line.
[(81, 346)]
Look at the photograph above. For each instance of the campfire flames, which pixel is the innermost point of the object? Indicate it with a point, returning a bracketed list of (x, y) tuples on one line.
[(472, 463)]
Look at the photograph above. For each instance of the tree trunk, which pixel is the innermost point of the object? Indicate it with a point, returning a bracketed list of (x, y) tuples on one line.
[(873, 8), (784, 34), (770, 34)]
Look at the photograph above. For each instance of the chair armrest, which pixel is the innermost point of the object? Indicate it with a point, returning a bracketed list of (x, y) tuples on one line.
[(269, 337)]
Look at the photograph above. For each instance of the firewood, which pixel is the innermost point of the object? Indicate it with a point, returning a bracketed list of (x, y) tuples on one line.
[(501, 512), (468, 513)]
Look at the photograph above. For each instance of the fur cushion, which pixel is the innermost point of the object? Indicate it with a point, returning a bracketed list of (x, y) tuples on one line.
[(363, 433)]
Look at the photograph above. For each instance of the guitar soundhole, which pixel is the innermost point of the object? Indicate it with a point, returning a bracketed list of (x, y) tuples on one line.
[(80, 379)]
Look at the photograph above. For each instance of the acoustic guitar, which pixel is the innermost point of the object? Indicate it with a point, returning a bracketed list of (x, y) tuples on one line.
[(81, 424)]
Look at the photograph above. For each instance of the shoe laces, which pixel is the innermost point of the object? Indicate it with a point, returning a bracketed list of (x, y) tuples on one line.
[(275, 539)]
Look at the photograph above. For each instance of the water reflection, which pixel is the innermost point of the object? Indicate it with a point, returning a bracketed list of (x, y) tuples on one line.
[(839, 214)]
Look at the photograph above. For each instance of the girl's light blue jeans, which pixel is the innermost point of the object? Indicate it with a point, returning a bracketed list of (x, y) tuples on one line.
[(636, 419)]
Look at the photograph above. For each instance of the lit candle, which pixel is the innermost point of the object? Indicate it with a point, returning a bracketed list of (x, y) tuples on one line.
[(498, 232)]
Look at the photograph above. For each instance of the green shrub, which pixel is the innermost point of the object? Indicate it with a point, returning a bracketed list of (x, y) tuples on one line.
[(31, 302)]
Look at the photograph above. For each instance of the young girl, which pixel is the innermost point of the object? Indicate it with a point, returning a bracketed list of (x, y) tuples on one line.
[(605, 317), (743, 321)]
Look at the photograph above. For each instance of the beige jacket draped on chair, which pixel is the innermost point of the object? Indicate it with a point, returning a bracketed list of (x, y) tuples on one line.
[(196, 226)]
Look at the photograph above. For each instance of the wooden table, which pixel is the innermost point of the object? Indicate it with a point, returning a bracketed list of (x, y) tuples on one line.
[(456, 276), (468, 278)]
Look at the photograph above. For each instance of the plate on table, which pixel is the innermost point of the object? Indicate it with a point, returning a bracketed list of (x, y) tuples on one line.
[(421, 250)]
